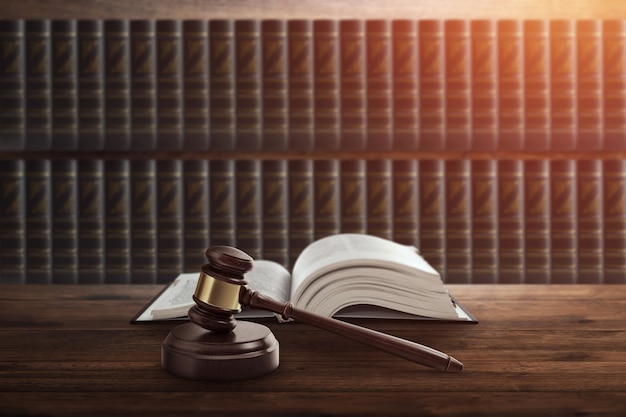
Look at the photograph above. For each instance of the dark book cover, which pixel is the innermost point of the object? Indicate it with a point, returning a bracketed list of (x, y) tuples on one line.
[(353, 197), (195, 215), (405, 202), (117, 221), (458, 221), (563, 222), (484, 222), (275, 217), (379, 200), (510, 85), (169, 84), (300, 205), (169, 204), (432, 104), (248, 209), (484, 85), (537, 222), (143, 216), (510, 217), (326, 85), (91, 221), (38, 222), (195, 39), (64, 84), (353, 93), (275, 98), (614, 219), (38, 85), (64, 180), (432, 211), (248, 88), (143, 88), (300, 84), (537, 85), (614, 83), (458, 94), (222, 84), (326, 198), (222, 202), (588, 88), (117, 100), (590, 236), (12, 85), (13, 257), (91, 92)]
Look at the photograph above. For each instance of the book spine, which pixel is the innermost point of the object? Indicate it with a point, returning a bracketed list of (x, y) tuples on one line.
[(300, 206), (196, 220), (222, 202), (484, 85), (222, 84), (458, 94), (563, 222), (275, 219), (91, 92), (537, 222), (64, 221), (614, 199), (91, 218), (379, 104), (300, 84), (563, 100), (143, 237), (614, 87), (406, 207), (117, 221), (326, 198), (458, 228), (326, 88), (274, 85), (143, 91), (38, 85), (432, 107), (405, 80), (248, 86), (432, 209), (353, 85), (64, 85), (511, 229), (510, 85), (536, 85), (38, 222), (352, 191), (117, 85), (589, 85), (13, 222), (169, 85), (590, 244), (379, 198), (12, 86), (484, 222), (248, 210), (169, 178), (195, 40)]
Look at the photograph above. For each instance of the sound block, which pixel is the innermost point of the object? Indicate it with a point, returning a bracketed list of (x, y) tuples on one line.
[(248, 351)]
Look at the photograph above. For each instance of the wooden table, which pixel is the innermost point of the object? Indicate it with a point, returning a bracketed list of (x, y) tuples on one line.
[(538, 350)]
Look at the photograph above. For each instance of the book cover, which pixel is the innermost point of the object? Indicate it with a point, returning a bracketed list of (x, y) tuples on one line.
[(38, 221), (222, 84), (38, 85), (274, 110), (510, 84), (275, 217), (248, 88), (64, 84), (91, 93), (379, 104), (169, 217), (353, 105), (590, 227), (614, 219), (432, 104), (169, 84), (300, 84), (458, 221), (143, 84), (12, 85), (537, 85), (117, 221), (353, 196), (484, 85), (537, 222), (588, 88), (432, 211), (326, 198), (195, 40), (405, 80), (510, 218), (143, 216), (484, 222), (379, 198), (222, 202), (326, 86), (195, 216), (563, 100), (300, 206), (614, 83), (64, 214), (406, 201), (91, 221), (563, 222), (458, 94), (117, 84), (13, 222), (248, 209)]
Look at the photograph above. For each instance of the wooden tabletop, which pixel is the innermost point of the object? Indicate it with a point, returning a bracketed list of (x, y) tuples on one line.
[(538, 350)]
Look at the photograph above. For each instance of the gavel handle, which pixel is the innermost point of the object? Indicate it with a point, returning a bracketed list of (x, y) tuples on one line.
[(405, 349)]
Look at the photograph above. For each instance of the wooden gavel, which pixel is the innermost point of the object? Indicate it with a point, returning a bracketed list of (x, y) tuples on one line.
[(219, 295)]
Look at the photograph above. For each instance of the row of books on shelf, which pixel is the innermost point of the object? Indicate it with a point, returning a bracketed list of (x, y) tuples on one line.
[(146, 221), (250, 85)]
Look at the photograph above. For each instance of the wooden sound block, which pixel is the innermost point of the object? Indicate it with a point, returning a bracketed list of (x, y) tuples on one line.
[(250, 350)]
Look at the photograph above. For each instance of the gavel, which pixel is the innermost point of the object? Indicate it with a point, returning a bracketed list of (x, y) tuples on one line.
[(215, 346)]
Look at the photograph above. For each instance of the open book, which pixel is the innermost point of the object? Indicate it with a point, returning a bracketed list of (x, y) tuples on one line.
[(343, 275)]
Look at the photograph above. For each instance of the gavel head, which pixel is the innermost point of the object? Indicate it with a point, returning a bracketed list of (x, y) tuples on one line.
[(219, 285)]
